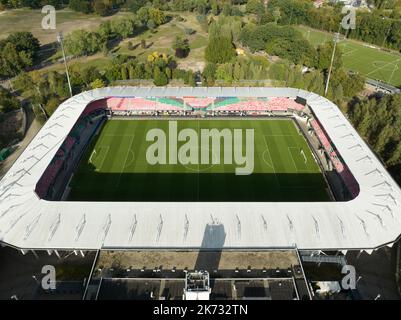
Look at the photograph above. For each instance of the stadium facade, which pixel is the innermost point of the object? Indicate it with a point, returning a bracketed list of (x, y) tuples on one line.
[(30, 218)]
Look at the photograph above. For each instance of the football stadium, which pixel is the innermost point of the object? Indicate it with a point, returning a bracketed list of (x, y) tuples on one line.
[(85, 181)]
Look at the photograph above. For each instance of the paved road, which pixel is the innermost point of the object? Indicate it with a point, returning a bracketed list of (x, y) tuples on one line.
[(34, 127)]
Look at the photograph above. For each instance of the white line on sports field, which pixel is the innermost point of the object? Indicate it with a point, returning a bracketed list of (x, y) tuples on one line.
[(100, 153), (93, 153), (278, 135), (126, 157), (385, 65), (349, 52), (117, 135), (293, 161), (271, 160)]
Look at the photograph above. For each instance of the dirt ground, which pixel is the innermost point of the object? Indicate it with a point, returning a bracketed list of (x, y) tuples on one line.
[(228, 260)]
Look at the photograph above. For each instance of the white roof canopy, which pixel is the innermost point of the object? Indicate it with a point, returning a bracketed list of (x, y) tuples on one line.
[(371, 220)]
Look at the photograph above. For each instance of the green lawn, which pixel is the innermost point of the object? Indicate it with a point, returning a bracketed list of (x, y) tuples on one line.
[(115, 167), (361, 57)]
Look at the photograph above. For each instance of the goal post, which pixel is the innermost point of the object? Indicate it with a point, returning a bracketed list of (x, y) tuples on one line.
[(301, 151)]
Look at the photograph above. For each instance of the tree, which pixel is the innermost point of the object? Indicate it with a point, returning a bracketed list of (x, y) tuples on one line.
[(7, 101), (225, 72), (220, 48), (105, 30), (157, 16), (10, 62), (105, 49), (255, 6), (81, 42), (80, 5), (101, 8), (123, 27), (226, 9), (51, 105), (209, 74), (215, 8), (201, 6), (377, 119), (151, 24), (159, 77), (181, 47), (135, 5), (276, 14), (17, 53), (25, 41), (143, 15), (324, 54)]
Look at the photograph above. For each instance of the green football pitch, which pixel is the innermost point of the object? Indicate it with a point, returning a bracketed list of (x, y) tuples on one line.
[(362, 57), (115, 166)]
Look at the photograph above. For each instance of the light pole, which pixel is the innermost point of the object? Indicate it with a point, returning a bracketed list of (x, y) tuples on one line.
[(336, 39), (60, 40)]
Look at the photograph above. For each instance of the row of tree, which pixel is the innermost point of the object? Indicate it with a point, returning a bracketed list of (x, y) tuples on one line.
[(101, 7), (7, 101), (82, 42), (160, 68), (242, 68), (47, 90), (283, 41), (372, 27), (378, 120), (220, 48)]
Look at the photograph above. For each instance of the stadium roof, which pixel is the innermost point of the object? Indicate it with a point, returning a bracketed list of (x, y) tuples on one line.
[(370, 220)]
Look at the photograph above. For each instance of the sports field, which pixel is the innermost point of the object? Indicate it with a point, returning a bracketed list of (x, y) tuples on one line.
[(116, 166), (362, 57)]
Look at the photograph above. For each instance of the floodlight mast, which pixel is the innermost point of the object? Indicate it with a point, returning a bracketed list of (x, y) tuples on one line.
[(336, 39), (60, 40)]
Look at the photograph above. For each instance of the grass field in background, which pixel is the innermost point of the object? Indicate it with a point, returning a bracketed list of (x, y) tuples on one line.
[(362, 57), (115, 168), (66, 21)]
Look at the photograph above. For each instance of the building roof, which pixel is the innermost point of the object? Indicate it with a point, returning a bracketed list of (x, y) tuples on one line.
[(370, 220)]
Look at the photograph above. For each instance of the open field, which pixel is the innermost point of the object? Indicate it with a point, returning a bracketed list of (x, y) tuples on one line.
[(115, 166), (362, 57), (31, 20)]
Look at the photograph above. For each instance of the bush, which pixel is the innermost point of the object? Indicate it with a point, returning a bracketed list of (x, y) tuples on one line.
[(181, 47), (159, 77), (189, 31), (83, 6)]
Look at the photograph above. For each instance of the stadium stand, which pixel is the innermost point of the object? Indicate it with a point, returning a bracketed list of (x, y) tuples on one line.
[(54, 177), (141, 104), (346, 175), (198, 103), (260, 104)]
